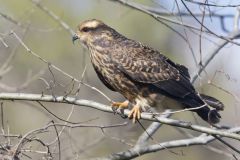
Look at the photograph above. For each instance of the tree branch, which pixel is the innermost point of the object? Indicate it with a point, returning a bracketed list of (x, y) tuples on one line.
[(140, 150), (152, 129), (105, 108)]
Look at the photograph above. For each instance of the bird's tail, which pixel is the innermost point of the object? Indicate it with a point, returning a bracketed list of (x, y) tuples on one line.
[(207, 114), (213, 102), (212, 116)]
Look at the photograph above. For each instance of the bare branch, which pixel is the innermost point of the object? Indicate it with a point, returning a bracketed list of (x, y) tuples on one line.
[(213, 5), (11, 19), (152, 129), (105, 108), (3, 42), (236, 20), (45, 128), (138, 151)]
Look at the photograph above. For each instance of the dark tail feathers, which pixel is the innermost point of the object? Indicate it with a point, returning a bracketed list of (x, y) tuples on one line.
[(213, 102), (212, 116)]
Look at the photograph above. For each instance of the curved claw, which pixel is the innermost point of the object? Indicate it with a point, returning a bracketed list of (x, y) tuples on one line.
[(135, 113)]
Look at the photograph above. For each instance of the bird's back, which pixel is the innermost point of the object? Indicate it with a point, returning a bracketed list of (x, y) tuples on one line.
[(138, 72)]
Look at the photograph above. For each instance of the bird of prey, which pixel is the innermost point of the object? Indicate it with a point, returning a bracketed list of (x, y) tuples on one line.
[(141, 74)]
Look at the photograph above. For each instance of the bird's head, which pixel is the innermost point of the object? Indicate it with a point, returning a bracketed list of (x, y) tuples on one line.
[(91, 31)]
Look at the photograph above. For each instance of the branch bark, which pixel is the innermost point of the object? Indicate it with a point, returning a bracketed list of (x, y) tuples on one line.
[(140, 150), (105, 108)]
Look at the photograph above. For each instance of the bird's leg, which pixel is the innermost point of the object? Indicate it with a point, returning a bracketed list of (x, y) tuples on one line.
[(121, 105), (135, 113)]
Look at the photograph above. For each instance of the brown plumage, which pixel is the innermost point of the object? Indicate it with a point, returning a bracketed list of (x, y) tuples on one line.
[(141, 74)]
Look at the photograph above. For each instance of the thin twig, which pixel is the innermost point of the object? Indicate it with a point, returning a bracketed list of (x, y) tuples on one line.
[(233, 35), (159, 18)]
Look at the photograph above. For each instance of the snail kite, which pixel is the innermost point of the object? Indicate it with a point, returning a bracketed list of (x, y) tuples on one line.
[(141, 74)]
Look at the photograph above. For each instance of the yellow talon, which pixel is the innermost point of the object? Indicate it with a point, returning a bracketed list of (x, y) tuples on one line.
[(120, 104), (135, 113)]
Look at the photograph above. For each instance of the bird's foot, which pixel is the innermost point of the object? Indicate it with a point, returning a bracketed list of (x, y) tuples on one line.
[(135, 113), (121, 106)]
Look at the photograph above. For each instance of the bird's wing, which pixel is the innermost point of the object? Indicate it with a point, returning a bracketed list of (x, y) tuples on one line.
[(147, 66), (103, 80)]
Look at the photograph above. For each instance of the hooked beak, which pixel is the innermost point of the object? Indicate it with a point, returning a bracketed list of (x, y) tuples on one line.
[(74, 38)]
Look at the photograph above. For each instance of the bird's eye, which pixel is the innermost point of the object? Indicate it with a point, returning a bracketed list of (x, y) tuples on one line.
[(86, 29)]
